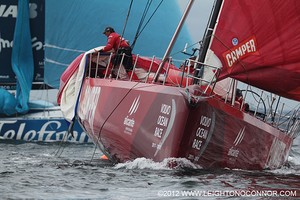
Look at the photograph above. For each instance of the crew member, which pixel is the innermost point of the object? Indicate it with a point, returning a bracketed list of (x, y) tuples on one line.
[(240, 99), (118, 45)]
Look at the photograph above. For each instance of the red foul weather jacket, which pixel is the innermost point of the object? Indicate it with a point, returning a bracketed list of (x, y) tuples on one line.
[(113, 40)]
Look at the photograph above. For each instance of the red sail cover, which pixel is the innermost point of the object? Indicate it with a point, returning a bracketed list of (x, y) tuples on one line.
[(258, 42)]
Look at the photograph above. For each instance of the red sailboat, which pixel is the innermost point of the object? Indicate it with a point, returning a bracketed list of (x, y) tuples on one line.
[(165, 112)]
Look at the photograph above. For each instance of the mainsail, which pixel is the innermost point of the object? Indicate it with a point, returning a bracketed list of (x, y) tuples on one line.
[(258, 43)]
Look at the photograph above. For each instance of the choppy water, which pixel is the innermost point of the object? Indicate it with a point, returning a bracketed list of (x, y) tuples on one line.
[(36, 171)]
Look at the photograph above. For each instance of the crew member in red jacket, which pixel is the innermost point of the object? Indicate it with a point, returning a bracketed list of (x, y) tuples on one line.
[(117, 44)]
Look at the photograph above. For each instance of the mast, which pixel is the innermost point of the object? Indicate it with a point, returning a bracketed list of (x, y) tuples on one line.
[(207, 38), (174, 38)]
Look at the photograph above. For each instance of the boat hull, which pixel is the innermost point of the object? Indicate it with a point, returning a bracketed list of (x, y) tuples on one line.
[(43, 126), (128, 120)]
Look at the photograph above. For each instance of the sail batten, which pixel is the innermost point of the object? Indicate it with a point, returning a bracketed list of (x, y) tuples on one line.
[(261, 45)]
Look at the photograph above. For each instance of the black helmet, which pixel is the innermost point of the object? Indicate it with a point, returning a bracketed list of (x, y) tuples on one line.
[(110, 29)]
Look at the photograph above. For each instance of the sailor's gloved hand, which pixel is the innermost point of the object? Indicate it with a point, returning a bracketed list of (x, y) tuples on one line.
[(96, 51)]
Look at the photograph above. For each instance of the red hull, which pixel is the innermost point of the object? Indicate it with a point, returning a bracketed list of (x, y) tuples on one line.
[(128, 120)]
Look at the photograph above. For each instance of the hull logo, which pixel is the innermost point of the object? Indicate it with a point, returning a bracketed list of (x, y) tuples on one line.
[(240, 51), (134, 106), (233, 152), (239, 137), (129, 121)]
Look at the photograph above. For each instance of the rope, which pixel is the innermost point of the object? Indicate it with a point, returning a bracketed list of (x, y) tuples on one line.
[(109, 117), (126, 20), (138, 32), (62, 145), (141, 22)]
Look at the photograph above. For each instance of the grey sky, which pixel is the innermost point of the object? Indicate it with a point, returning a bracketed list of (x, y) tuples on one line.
[(198, 17)]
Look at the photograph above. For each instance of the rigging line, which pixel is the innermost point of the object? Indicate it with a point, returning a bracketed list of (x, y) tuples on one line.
[(143, 16), (109, 117), (62, 145), (149, 19), (125, 24), (146, 9), (289, 113)]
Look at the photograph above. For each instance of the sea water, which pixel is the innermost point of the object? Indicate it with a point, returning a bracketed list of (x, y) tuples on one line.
[(74, 171)]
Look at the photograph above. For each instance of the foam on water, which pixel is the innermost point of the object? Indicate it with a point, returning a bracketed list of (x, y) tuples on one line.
[(166, 164), (293, 164), (287, 170), (294, 160)]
